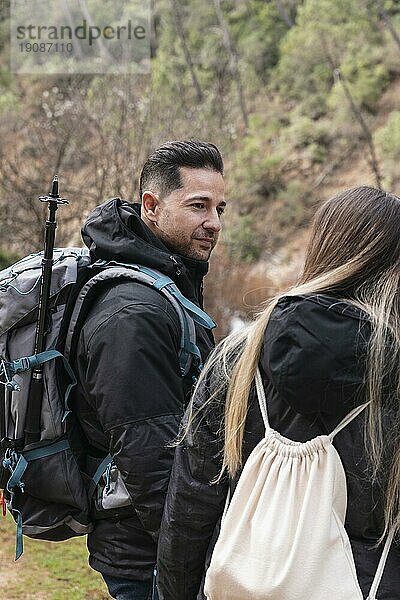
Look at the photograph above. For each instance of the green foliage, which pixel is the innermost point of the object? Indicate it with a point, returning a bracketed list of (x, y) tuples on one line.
[(304, 131), (317, 152), (324, 37), (289, 208), (388, 137), (258, 162), (304, 75), (243, 241), (258, 30), (366, 78), (258, 170), (5, 77), (99, 130), (7, 101)]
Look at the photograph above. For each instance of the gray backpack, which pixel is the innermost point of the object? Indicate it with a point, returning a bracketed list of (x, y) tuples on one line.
[(45, 488)]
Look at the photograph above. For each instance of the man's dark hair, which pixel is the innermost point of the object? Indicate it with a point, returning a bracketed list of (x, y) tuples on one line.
[(161, 169)]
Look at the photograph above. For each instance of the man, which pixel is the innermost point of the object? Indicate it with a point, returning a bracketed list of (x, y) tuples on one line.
[(131, 395)]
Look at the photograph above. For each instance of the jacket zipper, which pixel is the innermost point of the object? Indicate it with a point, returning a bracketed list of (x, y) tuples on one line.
[(176, 264)]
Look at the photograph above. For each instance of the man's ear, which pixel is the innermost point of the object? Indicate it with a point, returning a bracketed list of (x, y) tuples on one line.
[(150, 206)]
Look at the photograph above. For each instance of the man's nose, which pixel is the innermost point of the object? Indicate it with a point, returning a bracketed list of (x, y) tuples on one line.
[(213, 221)]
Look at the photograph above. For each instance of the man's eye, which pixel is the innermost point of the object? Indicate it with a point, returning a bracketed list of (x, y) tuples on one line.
[(198, 205), (220, 210)]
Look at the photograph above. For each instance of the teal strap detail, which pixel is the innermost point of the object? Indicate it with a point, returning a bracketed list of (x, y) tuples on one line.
[(198, 315), (19, 541), (195, 313), (102, 468), (51, 354), (17, 470), (154, 274), (193, 349), (162, 282), (184, 350), (17, 466), (197, 361), (46, 450), (30, 362), (188, 312)]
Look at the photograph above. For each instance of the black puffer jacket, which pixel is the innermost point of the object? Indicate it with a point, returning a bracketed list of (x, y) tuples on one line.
[(131, 396), (313, 367)]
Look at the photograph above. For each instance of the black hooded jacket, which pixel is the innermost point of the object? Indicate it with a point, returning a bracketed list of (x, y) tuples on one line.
[(131, 396), (313, 367)]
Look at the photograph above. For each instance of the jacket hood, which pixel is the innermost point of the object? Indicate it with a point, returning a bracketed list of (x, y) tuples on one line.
[(115, 231)]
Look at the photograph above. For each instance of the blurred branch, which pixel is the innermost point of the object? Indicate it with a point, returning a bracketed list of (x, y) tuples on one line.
[(338, 78), (185, 48), (388, 21), (234, 63), (99, 41), (77, 44), (367, 135), (284, 13)]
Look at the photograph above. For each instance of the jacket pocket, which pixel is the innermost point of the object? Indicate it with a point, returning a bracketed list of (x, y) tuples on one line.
[(111, 491)]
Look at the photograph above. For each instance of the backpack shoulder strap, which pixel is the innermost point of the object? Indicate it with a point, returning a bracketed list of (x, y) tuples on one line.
[(381, 566), (263, 408), (262, 401), (187, 312), (163, 282), (347, 419)]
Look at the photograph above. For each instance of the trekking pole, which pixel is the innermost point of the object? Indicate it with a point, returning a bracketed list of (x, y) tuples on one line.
[(32, 425)]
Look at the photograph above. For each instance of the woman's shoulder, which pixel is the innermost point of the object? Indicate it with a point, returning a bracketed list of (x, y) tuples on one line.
[(318, 304), (315, 349)]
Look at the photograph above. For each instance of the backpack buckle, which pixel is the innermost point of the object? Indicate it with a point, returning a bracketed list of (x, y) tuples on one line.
[(8, 382), (20, 365)]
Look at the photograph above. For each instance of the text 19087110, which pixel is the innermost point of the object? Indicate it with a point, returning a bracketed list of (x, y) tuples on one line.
[(46, 47)]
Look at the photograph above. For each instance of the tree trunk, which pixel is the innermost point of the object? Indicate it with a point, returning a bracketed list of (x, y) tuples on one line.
[(77, 46), (388, 22), (99, 41), (185, 48), (367, 135), (365, 129), (284, 13), (234, 64)]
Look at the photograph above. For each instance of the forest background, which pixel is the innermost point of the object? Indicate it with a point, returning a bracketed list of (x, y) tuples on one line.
[(301, 96)]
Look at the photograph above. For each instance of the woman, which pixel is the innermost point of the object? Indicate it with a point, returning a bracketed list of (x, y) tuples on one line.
[(327, 345)]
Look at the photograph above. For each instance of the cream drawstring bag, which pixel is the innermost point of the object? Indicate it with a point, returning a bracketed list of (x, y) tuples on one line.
[(282, 536)]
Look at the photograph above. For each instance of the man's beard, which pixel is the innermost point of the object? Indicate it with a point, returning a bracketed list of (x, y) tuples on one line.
[(187, 248)]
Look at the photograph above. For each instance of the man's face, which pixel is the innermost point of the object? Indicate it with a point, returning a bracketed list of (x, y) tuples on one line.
[(188, 220)]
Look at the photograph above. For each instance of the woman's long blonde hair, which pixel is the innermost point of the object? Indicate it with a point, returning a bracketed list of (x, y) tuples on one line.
[(354, 254)]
